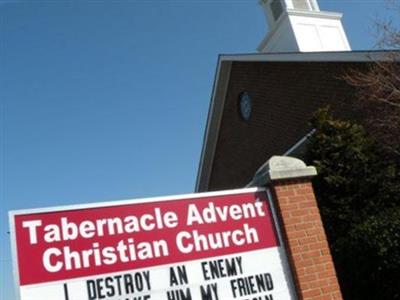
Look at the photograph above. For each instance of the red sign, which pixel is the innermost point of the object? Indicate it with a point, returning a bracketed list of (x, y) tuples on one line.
[(199, 246), (76, 243)]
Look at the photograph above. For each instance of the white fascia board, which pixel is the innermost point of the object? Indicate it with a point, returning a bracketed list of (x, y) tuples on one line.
[(323, 56), (207, 130), (315, 14), (213, 122)]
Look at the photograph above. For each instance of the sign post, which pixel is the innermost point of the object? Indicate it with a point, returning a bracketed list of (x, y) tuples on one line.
[(289, 181), (210, 246)]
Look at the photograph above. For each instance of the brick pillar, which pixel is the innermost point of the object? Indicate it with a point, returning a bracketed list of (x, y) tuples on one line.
[(307, 248)]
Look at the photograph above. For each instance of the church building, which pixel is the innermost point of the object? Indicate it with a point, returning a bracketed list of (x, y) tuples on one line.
[(261, 103)]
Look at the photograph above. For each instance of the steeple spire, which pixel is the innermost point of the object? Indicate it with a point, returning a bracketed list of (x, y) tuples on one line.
[(299, 25)]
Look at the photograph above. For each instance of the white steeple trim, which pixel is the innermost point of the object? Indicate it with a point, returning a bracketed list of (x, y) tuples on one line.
[(309, 5), (299, 25)]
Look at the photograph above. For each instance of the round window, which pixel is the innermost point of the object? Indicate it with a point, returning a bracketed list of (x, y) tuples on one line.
[(245, 106)]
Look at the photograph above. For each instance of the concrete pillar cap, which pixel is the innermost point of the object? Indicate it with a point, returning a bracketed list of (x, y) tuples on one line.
[(282, 167)]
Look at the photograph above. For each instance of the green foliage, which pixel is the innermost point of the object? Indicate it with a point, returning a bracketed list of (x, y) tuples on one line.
[(358, 191)]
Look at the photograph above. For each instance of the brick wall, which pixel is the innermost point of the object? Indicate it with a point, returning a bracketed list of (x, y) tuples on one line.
[(306, 242), (285, 95)]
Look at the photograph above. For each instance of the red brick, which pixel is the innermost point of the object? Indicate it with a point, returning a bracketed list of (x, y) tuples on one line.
[(303, 226), (289, 206), (322, 237), (314, 232), (322, 245), (323, 297), (300, 212), (311, 293), (298, 199), (308, 249), (311, 218), (298, 249), (304, 263), (307, 240), (306, 204), (306, 190), (286, 193), (301, 271), (322, 259), (304, 285), (326, 251), (314, 211), (329, 289), (327, 274), (308, 277), (293, 220), (293, 242), (297, 256), (329, 266), (337, 295), (311, 254), (319, 284), (290, 228), (297, 234), (314, 269), (281, 187)]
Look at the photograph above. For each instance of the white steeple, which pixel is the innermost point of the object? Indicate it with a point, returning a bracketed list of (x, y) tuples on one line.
[(299, 25)]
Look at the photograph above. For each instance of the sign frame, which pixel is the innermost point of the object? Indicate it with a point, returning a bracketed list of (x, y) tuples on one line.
[(113, 203)]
